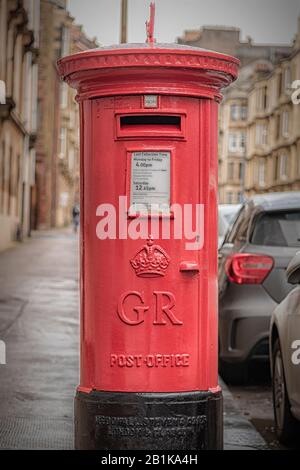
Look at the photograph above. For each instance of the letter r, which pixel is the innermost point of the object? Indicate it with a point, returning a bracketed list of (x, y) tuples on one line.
[(165, 309)]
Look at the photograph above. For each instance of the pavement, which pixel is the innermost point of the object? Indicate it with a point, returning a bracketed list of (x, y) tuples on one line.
[(239, 433), (39, 323)]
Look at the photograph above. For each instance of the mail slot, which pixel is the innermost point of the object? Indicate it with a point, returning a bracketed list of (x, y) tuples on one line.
[(148, 374), (153, 120), (151, 125)]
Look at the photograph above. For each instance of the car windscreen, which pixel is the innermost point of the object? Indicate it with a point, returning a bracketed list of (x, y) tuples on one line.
[(223, 226), (280, 228), (229, 216), (226, 218)]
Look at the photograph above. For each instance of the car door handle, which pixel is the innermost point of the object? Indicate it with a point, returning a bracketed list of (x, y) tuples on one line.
[(189, 266)]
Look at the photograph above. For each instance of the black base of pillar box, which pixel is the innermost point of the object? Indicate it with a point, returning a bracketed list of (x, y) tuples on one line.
[(148, 421)]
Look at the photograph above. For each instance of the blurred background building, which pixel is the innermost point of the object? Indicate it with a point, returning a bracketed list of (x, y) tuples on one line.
[(259, 126), (273, 128), (39, 137), (259, 146), (228, 40), (19, 45), (57, 146)]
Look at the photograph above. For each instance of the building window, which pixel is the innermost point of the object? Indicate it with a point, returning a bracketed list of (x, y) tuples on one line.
[(63, 95), (277, 124), (244, 113), (286, 82), (258, 95), (10, 180), (237, 142), (241, 171), (240, 198), (261, 134), (284, 167), (71, 159), (242, 141), (265, 98), (232, 144), (276, 167), (234, 112), (2, 175), (230, 171), (262, 98), (17, 72), (65, 48), (229, 197), (285, 124), (18, 182), (72, 118), (279, 85), (261, 173), (62, 143), (220, 169), (238, 112)]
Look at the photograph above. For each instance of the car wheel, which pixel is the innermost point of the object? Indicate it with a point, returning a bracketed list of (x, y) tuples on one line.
[(233, 373), (285, 423)]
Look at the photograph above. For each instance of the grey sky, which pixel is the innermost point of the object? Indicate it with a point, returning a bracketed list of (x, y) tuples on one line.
[(266, 21)]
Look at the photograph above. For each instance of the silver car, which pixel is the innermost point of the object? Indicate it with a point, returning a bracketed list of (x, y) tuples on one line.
[(285, 359), (252, 282)]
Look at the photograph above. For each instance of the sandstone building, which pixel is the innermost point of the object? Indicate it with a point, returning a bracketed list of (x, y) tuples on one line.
[(19, 45)]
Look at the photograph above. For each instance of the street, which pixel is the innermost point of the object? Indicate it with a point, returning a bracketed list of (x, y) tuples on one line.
[(254, 400), (39, 322)]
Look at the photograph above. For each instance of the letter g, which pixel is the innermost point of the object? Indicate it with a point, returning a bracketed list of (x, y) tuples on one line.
[(139, 310)]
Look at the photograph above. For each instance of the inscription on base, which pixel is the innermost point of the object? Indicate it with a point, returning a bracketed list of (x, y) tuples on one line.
[(149, 360), (133, 426)]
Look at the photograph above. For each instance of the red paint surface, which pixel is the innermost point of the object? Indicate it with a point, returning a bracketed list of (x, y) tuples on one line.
[(168, 340)]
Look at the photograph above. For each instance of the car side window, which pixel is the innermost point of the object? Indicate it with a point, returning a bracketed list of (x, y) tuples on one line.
[(277, 228)]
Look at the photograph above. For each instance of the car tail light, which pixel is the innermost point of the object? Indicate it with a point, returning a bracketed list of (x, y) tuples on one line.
[(247, 268)]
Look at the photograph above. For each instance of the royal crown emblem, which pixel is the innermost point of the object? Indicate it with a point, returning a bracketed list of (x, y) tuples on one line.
[(150, 261)]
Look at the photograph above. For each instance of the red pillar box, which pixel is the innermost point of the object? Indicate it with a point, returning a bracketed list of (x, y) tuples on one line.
[(149, 377)]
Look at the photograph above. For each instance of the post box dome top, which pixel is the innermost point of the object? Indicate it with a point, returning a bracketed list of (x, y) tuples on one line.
[(148, 68)]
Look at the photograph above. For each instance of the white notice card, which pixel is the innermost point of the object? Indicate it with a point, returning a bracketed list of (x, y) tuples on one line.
[(150, 182)]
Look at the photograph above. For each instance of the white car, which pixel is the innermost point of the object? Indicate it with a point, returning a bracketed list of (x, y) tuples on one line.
[(226, 213), (285, 359)]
